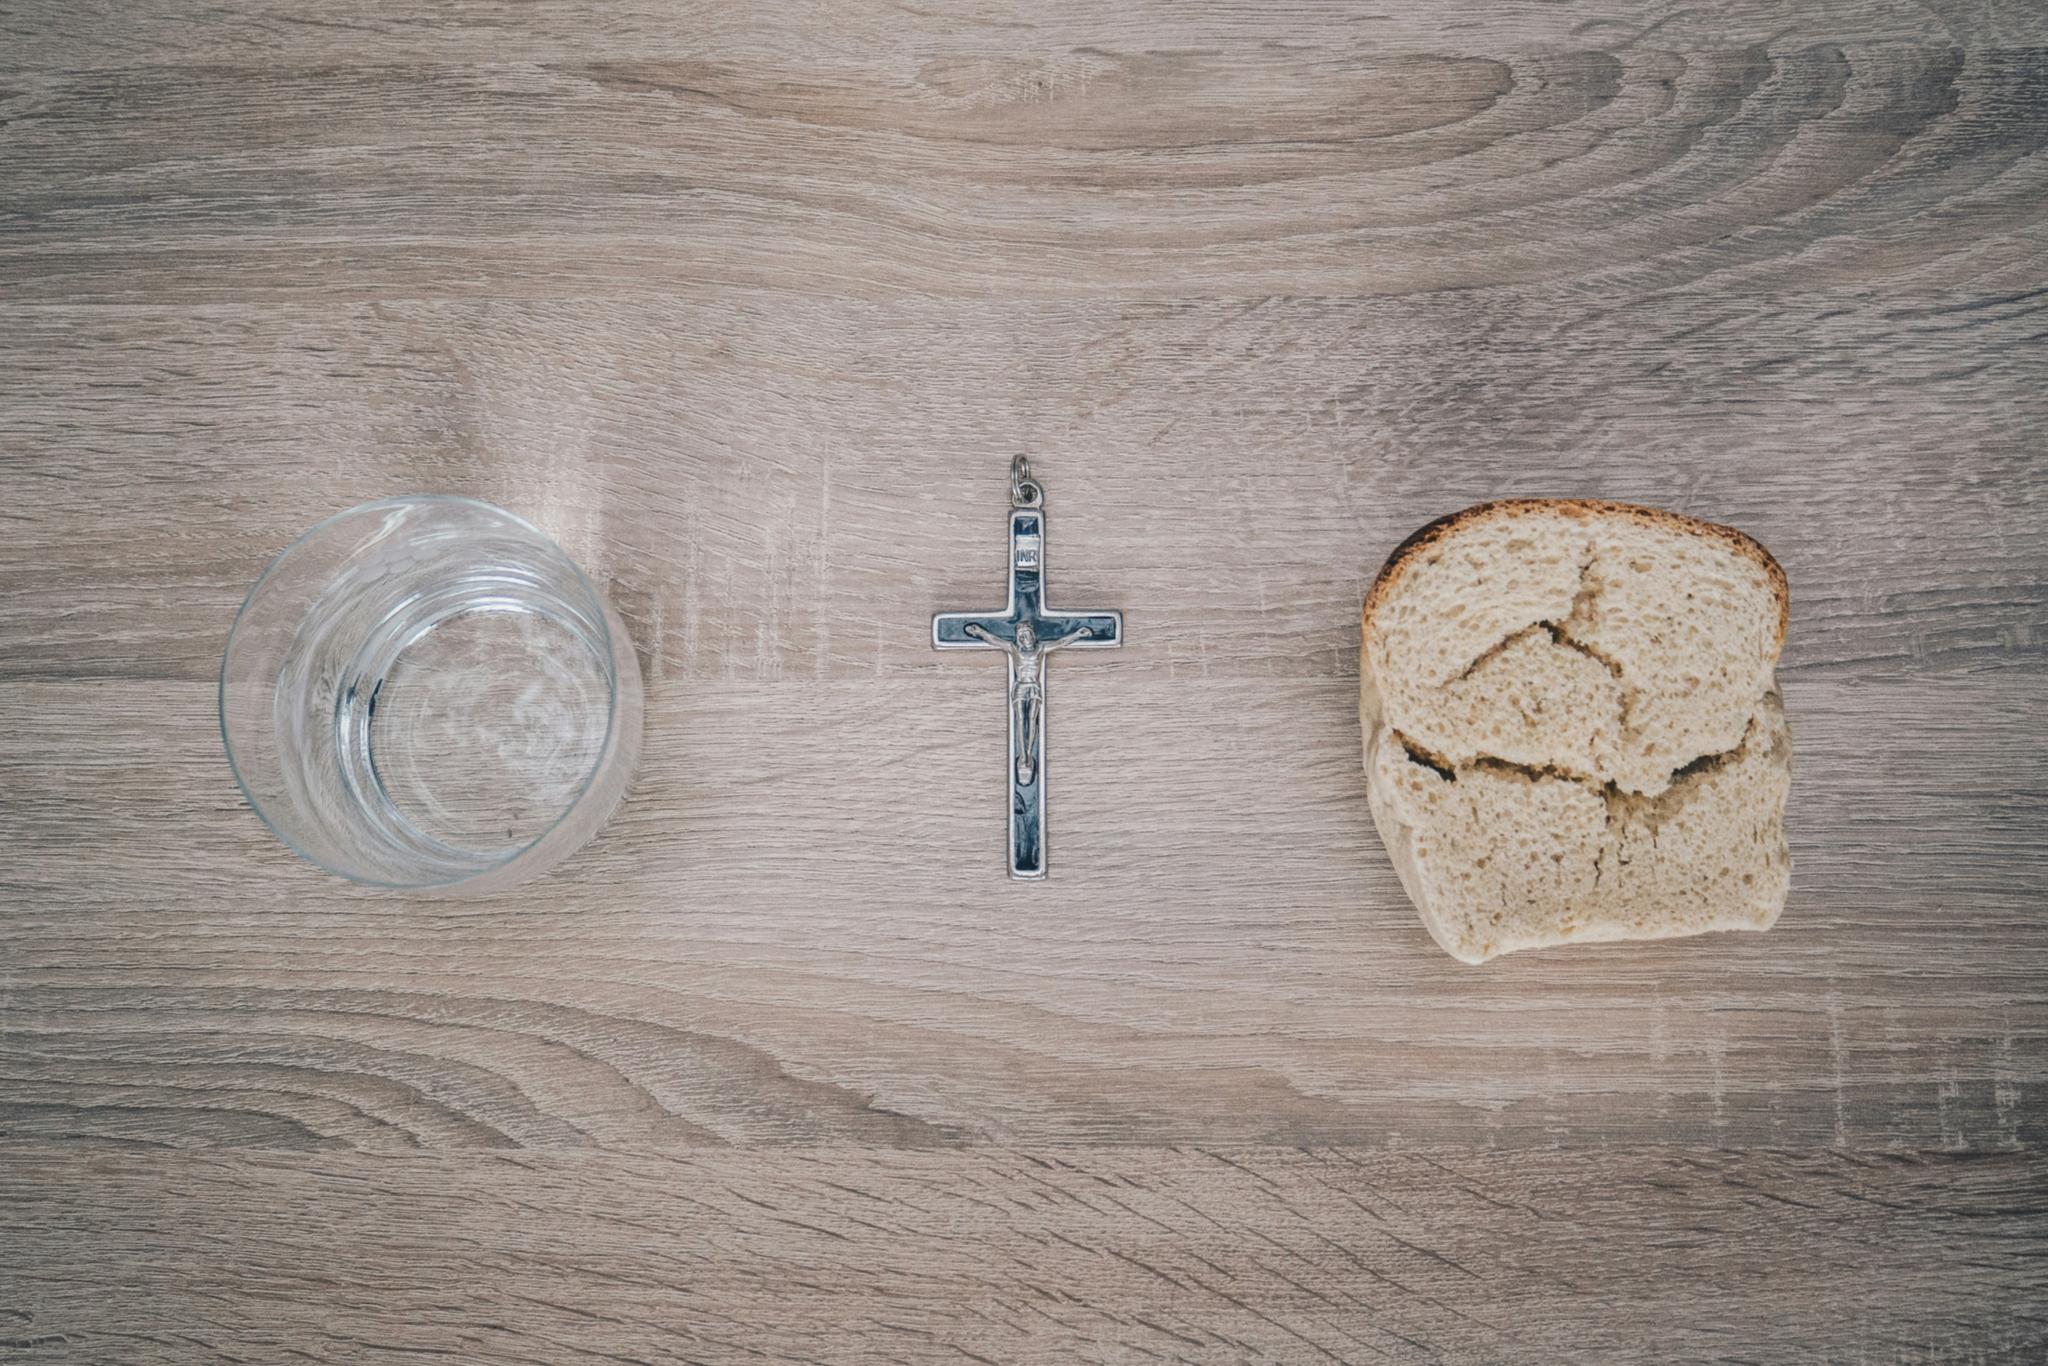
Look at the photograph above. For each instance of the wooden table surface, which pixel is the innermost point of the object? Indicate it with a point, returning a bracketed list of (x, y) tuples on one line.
[(749, 305)]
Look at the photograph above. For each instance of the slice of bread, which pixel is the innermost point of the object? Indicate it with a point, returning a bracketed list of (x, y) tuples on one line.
[(1572, 731)]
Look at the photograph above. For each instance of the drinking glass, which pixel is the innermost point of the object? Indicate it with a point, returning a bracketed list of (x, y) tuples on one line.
[(426, 693)]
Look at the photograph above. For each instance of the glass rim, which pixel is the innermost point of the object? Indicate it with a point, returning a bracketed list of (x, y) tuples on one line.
[(401, 500)]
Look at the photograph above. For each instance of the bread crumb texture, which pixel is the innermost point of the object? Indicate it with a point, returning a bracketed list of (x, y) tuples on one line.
[(1572, 726)]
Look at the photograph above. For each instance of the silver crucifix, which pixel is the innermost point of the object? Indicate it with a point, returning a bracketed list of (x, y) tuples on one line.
[(1027, 631)]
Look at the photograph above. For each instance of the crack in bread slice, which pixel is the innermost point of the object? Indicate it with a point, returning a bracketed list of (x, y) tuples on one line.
[(1572, 730)]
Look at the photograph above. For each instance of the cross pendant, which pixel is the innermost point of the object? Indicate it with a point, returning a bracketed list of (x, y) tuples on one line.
[(1027, 631)]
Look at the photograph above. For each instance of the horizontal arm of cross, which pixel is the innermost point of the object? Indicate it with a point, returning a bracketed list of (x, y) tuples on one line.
[(1057, 630)]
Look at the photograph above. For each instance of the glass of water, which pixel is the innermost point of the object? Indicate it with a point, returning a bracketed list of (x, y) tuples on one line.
[(426, 693)]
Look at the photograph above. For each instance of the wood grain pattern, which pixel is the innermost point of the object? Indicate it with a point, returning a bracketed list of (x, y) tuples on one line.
[(749, 305), (979, 1255)]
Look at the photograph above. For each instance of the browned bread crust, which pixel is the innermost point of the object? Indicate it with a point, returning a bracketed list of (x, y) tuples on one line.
[(1406, 552)]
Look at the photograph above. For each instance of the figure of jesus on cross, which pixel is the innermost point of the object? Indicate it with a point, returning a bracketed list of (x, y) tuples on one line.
[(1027, 631)]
